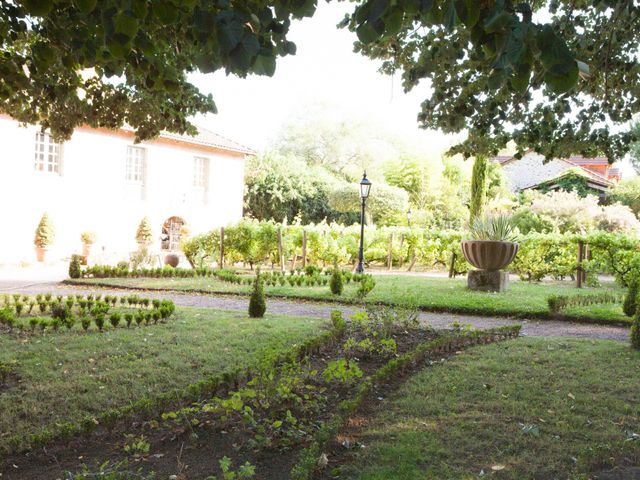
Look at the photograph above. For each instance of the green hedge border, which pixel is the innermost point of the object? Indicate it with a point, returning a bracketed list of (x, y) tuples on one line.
[(424, 308), (306, 466), (150, 407)]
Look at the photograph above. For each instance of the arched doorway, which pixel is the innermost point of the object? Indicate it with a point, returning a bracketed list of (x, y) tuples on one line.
[(171, 233)]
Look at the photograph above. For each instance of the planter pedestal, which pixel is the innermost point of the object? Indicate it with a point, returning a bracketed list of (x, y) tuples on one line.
[(488, 281)]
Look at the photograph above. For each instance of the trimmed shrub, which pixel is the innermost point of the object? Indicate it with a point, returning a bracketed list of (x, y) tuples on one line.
[(631, 299), (75, 270), (367, 283), (635, 332), (337, 281), (45, 233), (257, 302)]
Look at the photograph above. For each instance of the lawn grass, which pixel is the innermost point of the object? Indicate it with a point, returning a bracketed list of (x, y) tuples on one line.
[(522, 300), (527, 409), (65, 376)]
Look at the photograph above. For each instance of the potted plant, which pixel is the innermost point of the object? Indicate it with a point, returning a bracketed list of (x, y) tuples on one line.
[(491, 247), (44, 237), (144, 234), (88, 238)]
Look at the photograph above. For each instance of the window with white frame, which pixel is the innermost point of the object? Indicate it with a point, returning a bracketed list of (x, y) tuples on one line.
[(134, 170), (201, 172), (47, 154)]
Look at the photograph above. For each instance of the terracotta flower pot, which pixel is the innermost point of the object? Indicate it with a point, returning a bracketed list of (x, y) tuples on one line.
[(489, 254), (86, 249), (41, 253)]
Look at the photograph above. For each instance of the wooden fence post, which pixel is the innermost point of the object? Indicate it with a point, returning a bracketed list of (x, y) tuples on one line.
[(304, 248), (579, 273), (221, 247), (390, 255), (280, 249), (413, 259), (401, 245)]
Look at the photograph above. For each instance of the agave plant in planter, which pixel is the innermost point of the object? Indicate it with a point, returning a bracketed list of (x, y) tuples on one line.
[(492, 246)]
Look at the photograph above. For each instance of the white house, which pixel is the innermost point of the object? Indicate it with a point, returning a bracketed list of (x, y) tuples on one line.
[(533, 171), (102, 181)]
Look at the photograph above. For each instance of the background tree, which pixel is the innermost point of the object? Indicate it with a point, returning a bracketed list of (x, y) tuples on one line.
[(478, 187), (549, 75), (65, 63), (386, 205), (284, 187), (627, 192), (634, 151)]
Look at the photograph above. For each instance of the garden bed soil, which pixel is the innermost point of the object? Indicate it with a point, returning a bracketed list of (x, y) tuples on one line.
[(192, 452)]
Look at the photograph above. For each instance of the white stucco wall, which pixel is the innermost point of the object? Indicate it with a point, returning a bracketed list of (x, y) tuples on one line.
[(92, 194)]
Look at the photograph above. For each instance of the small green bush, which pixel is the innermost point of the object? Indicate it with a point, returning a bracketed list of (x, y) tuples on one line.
[(115, 318), (631, 299), (635, 332), (75, 270), (257, 302), (337, 281), (367, 283)]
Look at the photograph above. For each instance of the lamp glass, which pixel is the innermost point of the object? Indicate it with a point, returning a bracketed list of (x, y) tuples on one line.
[(365, 187)]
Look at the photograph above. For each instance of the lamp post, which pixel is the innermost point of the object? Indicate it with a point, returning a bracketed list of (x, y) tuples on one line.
[(409, 218), (365, 187)]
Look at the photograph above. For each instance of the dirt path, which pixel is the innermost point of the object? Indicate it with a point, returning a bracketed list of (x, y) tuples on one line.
[(538, 328)]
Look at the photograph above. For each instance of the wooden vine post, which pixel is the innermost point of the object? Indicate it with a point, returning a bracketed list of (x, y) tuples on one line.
[(280, 249), (304, 248), (221, 247), (390, 254), (452, 267), (580, 274)]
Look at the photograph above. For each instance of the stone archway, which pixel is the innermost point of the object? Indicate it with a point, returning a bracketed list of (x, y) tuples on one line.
[(172, 233)]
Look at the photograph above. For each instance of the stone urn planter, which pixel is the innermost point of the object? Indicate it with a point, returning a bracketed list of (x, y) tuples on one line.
[(489, 257)]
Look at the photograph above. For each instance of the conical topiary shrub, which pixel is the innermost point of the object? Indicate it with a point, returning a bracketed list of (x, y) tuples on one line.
[(45, 233), (630, 301), (337, 281), (75, 270), (144, 234), (257, 302)]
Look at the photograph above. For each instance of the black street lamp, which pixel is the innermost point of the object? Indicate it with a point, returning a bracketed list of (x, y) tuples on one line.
[(365, 187), (409, 214)]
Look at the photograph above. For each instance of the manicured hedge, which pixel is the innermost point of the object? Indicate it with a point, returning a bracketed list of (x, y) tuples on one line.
[(540, 255)]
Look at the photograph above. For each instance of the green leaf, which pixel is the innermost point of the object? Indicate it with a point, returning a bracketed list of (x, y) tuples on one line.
[(126, 25), (367, 33), (166, 12), (450, 17), (562, 82), (86, 6), (468, 12), (393, 21), (521, 77), (265, 65), (37, 8)]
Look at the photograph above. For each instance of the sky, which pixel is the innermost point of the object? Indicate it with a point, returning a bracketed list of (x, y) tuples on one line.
[(325, 70)]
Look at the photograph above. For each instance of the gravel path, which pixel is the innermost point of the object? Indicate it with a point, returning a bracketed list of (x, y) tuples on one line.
[(538, 328)]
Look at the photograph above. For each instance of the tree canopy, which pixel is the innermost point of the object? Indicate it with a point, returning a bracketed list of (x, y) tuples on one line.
[(551, 75)]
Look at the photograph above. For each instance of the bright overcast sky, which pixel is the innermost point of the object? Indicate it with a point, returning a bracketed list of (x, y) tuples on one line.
[(324, 70)]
